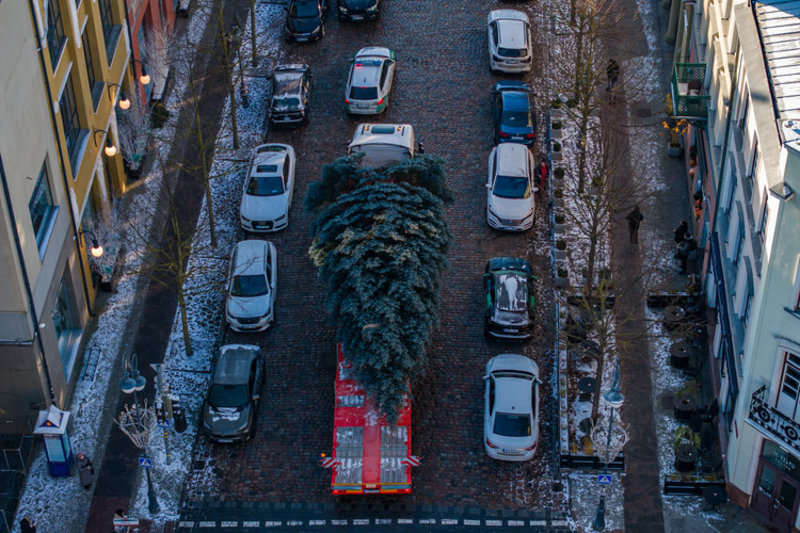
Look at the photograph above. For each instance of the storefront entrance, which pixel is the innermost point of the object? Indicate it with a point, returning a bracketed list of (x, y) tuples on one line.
[(777, 493)]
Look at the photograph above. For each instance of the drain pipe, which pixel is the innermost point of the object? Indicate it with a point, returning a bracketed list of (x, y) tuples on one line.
[(61, 159), (26, 280)]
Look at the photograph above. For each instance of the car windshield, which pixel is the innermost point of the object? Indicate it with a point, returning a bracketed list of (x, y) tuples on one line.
[(286, 83), (249, 285), (515, 187), (227, 395), (511, 292), (520, 119), (512, 52), (512, 424), (376, 155), (304, 9), (265, 186), (364, 93)]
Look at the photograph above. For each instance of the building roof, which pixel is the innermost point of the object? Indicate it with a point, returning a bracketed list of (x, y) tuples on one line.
[(779, 24)]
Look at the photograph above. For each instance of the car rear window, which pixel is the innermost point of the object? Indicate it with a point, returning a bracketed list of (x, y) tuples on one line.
[(265, 186), (249, 285), (512, 424), (518, 119), (364, 93), (512, 52), (227, 395), (376, 155), (514, 187)]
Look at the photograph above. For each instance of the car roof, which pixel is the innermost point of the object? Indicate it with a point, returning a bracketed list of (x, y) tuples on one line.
[(249, 256), (512, 159), (511, 34), (395, 134), (515, 101), (366, 72), (233, 365), (513, 395), (268, 155)]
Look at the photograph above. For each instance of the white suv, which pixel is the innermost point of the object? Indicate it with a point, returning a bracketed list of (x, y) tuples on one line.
[(383, 144), (509, 41), (510, 188)]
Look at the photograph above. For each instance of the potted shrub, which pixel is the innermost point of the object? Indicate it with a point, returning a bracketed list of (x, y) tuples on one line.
[(558, 173), (556, 146), (686, 444), (159, 115), (562, 276), (555, 129), (559, 219), (555, 152), (560, 251), (684, 402)]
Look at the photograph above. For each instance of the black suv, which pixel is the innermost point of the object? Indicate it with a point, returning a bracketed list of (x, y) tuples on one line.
[(305, 20), (288, 105), (358, 9), (509, 298)]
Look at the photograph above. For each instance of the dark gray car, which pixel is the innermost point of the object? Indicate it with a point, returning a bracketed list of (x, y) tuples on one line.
[(229, 410)]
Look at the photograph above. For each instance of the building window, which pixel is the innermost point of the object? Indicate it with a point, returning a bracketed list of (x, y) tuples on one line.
[(69, 116), (55, 31), (762, 225), (107, 21), (42, 209), (96, 87), (790, 387), (754, 163), (67, 332)]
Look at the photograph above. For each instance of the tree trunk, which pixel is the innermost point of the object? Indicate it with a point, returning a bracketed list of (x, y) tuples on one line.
[(187, 340), (253, 32), (226, 63)]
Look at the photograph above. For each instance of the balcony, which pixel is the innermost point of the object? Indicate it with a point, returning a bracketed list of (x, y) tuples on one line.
[(772, 422), (687, 87)]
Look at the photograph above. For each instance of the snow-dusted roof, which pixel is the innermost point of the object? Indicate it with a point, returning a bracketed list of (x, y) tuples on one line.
[(779, 24)]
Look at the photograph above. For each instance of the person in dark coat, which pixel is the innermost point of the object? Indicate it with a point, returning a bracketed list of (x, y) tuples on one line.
[(26, 525), (634, 219), (85, 470), (540, 175), (686, 247), (680, 231)]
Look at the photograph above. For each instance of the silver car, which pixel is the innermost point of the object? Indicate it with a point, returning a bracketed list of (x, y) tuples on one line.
[(229, 409), (369, 81), (510, 47), (510, 187), (252, 280), (267, 190), (511, 408)]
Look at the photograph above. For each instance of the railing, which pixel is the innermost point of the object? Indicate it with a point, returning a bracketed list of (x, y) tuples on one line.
[(687, 88), (772, 422)]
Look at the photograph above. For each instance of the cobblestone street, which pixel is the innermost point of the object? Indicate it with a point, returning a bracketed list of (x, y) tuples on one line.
[(442, 88)]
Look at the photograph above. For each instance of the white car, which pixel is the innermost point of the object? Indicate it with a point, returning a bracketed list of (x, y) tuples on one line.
[(267, 192), (369, 81), (511, 408), (510, 188), (510, 47), (252, 278), (384, 144)]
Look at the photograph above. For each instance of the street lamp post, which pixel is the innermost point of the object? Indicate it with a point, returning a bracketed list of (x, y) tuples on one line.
[(611, 447), (138, 423)]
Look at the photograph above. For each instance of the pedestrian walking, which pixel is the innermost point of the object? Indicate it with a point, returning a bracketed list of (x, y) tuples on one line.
[(680, 231), (85, 470), (686, 247), (612, 73), (634, 219), (26, 525), (540, 175)]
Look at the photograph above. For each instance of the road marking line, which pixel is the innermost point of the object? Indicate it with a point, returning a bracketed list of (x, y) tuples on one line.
[(360, 521), (229, 523), (338, 522), (538, 522), (251, 523), (207, 523), (186, 523), (316, 522), (273, 523), (383, 521), (516, 523), (558, 523), (427, 521), (293, 523), (405, 521), (449, 522), (494, 523), (470, 522)]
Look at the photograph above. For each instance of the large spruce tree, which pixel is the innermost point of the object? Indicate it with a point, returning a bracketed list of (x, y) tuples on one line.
[(380, 243)]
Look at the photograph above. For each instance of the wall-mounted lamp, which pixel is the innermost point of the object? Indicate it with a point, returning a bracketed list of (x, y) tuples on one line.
[(786, 193), (124, 103), (110, 149), (144, 77), (96, 250)]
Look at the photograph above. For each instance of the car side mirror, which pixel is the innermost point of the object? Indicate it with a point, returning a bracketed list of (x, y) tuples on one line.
[(256, 397), (488, 185), (420, 147)]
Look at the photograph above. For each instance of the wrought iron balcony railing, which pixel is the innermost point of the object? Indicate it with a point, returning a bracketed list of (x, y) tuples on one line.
[(772, 422), (687, 88)]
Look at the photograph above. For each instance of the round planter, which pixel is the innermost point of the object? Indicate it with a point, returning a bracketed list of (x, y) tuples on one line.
[(674, 151), (586, 388), (686, 456), (683, 407), (679, 354), (674, 315)]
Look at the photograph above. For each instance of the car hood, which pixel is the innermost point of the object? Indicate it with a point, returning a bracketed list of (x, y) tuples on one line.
[(225, 420), (359, 5), (511, 208), (304, 24), (248, 306), (264, 207), (510, 318)]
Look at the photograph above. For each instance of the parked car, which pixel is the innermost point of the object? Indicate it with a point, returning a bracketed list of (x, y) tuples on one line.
[(369, 81), (229, 409), (513, 112), (267, 190), (384, 144), (510, 47), (288, 105), (509, 298), (511, 408), (354, 10), (252, 281), (510, 204), (305, 20)]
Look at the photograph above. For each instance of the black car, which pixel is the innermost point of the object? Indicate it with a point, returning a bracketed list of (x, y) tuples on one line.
[(305, 20), (229, 410), (288, 105), (514, 114), (509, 298), (358, 9)]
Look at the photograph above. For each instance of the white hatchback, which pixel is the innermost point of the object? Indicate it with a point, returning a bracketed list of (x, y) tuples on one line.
[(370, 80), (267, 192), (511, 408), (510, 188), (510, 47), (252, 280)]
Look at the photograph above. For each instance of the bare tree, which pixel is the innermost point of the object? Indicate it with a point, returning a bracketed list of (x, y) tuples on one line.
[(158, 42), (133, 130)]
